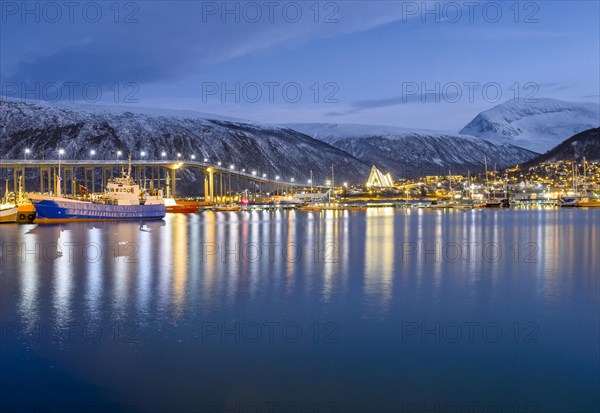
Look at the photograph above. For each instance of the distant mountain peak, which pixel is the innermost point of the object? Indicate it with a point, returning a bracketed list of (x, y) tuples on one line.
[(536, 125)]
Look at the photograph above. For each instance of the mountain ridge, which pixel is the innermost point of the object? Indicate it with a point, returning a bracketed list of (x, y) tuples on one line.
[(583, 144), (408, 153), (266, 149)]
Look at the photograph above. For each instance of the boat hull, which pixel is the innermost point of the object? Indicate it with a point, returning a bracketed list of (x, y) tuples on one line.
[(26, 213), (8, 215), (588, 204), (65, 211)]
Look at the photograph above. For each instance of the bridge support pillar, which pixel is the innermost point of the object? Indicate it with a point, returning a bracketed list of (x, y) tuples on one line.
[(206, 197), (173, 182), (209, 186)]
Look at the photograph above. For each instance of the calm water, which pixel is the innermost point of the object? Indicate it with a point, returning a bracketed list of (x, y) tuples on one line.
[(378, 310)]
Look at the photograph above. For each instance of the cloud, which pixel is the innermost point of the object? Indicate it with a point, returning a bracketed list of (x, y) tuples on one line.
[(170, 41)]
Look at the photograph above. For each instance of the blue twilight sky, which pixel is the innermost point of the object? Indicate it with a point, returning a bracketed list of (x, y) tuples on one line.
[(412, 64)]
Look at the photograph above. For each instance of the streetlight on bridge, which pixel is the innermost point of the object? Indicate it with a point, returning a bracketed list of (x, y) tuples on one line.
[(27, 151)]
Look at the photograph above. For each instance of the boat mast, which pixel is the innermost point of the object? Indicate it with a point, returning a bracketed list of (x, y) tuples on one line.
[(129, 168), (574, 183), (332, 183), (585, 181), (487, 179), (58, 179), (469, 187), (20, 193), (332, 177)]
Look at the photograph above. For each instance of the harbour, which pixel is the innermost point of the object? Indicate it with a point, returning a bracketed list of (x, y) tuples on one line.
[(272, 193)]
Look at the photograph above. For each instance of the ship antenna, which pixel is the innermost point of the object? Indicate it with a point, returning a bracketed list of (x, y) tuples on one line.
[(129, 168)]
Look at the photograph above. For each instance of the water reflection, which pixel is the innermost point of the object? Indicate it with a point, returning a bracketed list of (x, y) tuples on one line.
[(200, 263), (63, 281), (379, 258), (369, 272)]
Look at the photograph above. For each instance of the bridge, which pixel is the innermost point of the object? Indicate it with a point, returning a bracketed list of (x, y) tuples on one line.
[(218, 185)]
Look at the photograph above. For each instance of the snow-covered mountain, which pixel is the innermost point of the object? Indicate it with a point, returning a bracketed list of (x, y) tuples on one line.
[(409, 153), (536, 126), (267, 149)]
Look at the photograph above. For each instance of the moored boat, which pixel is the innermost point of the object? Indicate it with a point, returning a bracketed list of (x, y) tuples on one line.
[(569, 201), (8, 212), (227, 207), (123, 199), (184, 207), (497, 203), (320, 206), (588, 203), (25, 213)]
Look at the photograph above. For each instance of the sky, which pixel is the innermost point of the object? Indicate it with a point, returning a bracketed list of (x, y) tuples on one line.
[(426, 65)]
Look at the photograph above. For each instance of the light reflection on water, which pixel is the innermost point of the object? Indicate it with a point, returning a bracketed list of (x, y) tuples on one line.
[(367, 272)]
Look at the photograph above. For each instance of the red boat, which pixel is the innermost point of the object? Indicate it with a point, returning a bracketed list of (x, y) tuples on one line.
[(181, 206)]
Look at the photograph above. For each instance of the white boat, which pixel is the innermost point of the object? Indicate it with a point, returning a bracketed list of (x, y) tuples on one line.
[(227, 207), (8, 212), (123, 199)]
